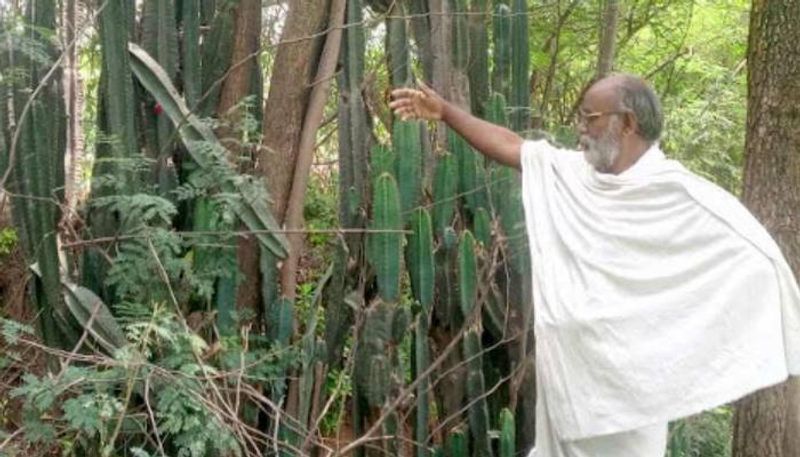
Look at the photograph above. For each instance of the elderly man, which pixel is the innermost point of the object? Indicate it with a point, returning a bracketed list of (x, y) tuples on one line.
[(657, 295)]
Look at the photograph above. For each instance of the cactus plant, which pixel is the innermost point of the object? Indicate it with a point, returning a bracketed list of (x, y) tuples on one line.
[(476, 391), (353, 128), (461, 36), (408, 153), (397, 46), (37, 145), (501, 34), (507, 433), (190, 51), (478, 68), (159, 39), (467, 274), (457, 443), (445, 188), (382, 160), (419, 257), (471, 171), (421, 362), (384, 249), (482, 226), (520, 96)]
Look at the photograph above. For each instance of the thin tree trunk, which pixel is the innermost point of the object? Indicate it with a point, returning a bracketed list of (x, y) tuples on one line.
[(294, 69), (608, 38), (73, 99), (767, 423), (313, 118), (235, 87)]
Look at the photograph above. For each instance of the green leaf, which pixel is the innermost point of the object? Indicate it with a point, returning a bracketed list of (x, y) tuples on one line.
[(93, 315)]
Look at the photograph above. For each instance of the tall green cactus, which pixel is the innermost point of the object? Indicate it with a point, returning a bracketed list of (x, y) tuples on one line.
[(397, 46), (160, 40), (419, 255), (190, 51), (482, 226), (216, 55), (507, 433), (38, 144), (384, 248), (445, 189), (461, 36), (501, 35), (382, 160), (353, 127), (520, 97), (457, 443), (471, 171), (408, 153), (422, 362), (478, 68), (467, 274), (116, 122), (476, 392)]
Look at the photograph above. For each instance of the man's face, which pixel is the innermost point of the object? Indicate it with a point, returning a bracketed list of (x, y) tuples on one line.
[(600, 128), (602, 150)]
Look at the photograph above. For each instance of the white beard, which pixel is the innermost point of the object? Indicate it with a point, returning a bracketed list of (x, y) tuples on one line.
[(602, 152)]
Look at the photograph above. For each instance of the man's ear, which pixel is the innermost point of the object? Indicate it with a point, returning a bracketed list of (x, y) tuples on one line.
[(629, 123)]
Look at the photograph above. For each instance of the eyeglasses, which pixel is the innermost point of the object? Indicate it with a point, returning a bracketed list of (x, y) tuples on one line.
[(582, 118)]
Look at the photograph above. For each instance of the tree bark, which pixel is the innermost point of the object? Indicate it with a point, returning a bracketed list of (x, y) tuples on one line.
[(608, 38), (767, 423), (295, 67), (236, 86)]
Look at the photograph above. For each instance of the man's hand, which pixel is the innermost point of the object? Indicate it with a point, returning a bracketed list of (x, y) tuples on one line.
[(417, 104), (496, 142)]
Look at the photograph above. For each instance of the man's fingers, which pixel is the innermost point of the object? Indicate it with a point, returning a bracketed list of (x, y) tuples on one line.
[(403, 92)]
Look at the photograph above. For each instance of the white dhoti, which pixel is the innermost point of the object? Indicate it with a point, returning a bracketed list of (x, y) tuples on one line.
[(657, 295)]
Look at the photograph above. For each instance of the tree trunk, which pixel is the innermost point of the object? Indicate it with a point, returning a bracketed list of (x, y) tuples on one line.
[(73, 98), (295, 67), (608, 38), (236, 86), (766, 423)]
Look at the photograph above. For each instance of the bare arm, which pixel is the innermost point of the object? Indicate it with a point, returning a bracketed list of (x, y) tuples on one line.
[(496, 142)]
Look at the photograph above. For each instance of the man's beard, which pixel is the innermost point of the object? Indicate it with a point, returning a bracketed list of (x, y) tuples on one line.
[(602, 152)]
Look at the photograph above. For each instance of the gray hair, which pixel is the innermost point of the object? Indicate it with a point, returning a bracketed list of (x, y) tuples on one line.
[(638, 97)]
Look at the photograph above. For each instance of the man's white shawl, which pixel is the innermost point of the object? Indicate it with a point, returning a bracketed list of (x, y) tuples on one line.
[(656, 293)]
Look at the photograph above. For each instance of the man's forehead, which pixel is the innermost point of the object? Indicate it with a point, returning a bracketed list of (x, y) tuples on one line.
[(601, 96)]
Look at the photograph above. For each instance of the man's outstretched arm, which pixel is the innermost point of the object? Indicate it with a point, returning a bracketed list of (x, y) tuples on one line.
[(496, 142)]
